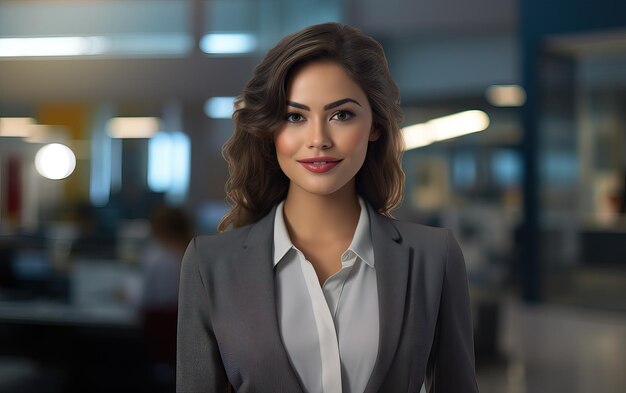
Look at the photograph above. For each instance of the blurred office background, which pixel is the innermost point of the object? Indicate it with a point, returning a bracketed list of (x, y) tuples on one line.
[(113, 113)]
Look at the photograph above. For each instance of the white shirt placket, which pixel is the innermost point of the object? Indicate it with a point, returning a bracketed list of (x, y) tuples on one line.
[(329, 346)]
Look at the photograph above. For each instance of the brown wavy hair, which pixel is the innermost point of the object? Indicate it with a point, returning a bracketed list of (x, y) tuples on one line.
[(256, 181)]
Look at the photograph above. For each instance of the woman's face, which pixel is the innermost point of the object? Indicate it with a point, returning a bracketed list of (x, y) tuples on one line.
[(323, 139)]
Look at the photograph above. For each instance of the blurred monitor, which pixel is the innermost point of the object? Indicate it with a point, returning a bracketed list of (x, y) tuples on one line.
[(24, 273), (506, 168), (30, 265), (464, 170), (98, 282)]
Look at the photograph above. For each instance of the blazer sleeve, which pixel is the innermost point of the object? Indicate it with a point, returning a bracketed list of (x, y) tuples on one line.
[(450, 366), (198, 363)]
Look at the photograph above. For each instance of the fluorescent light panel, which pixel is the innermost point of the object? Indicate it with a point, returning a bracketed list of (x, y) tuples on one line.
[(43, 133), (133, 127), (51, 46), (17, 127), (228, 43), (119, 45), (506, 95), (442, 128), (27, 129)]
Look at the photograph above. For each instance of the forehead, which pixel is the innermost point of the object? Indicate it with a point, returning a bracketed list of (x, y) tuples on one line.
[(321, 82)]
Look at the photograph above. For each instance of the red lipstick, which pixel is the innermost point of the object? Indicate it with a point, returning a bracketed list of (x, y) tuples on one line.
[(319, 164)]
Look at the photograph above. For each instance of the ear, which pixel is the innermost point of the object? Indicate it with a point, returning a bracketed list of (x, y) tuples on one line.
[(374, 134)]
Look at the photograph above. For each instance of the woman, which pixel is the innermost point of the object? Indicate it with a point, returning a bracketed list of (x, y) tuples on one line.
[(317, 289)]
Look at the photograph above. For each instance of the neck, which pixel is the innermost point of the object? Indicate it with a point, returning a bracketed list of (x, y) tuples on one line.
[(319, 218)]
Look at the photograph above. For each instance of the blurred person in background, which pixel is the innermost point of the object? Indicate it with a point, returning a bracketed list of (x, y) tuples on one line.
[(316, 288), (171, 232)]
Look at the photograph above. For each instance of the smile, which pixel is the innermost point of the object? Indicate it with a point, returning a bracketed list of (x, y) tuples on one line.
[(316, 165)]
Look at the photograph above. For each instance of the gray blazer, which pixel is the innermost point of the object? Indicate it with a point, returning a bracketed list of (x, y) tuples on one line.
[(228, 330)]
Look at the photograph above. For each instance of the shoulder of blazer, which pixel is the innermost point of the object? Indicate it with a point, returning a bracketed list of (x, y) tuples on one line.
[(424, 243), (212, 246), (422, 233), (219, 247), (414, 234), (211, 249)]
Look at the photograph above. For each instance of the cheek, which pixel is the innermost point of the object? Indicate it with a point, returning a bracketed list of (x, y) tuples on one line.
[(287, 148), (286, 145), (357, 139), (357, 142)]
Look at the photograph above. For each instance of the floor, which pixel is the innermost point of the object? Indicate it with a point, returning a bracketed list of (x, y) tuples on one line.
[(557, 348)]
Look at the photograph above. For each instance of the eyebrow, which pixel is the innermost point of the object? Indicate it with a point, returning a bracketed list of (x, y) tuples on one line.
[(326, 107)]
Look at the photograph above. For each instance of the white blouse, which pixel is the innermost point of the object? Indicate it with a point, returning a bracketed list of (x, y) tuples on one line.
[(330, 331)]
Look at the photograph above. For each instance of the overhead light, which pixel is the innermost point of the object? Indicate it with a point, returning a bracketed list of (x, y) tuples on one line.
[(164, 44), (43, 133), (506, 95), (18, 127), (55, 161), (442, 128), (417, 135), (133, 127), (51, 46), (458, 124), (228, 43), (29, 131), (219, 107)]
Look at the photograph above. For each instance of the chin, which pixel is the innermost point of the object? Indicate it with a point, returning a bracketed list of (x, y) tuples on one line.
[(322, 189)]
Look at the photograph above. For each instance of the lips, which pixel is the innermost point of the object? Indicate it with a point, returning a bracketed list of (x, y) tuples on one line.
[(319, 164)]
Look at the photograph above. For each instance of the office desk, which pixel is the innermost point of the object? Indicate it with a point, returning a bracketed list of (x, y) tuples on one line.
[(93, 298), (92, 341), (56, 313)]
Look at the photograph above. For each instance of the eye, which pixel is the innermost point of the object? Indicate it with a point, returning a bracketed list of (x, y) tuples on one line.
[(294, 117), (343, 115)]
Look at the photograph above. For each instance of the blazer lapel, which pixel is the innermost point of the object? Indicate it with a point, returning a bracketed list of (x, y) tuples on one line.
[(258, 278), (392, 267)]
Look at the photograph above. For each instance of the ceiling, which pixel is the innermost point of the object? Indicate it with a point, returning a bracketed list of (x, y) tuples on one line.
[(435, 48)]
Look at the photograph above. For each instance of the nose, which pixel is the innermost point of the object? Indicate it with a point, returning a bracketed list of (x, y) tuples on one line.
[(318, 136)]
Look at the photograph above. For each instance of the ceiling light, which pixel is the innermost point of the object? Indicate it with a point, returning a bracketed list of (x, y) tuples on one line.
[(55, 161), (442, 128), (164, 44), (416, 136), (228, 43), (506, 95), (51, 46), (43, 133), (133, 127), (219, 107), (18, 127)]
